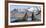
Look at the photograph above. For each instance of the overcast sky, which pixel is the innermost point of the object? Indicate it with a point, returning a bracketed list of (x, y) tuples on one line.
[(19, 6), (12, 7)]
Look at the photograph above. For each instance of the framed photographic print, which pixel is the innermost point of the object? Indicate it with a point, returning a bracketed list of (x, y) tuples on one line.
[(24, 13)]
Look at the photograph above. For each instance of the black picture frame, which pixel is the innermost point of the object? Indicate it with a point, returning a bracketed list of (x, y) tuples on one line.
[(6, 13)]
